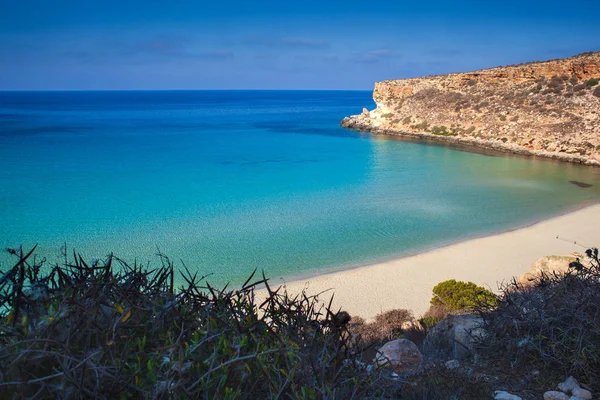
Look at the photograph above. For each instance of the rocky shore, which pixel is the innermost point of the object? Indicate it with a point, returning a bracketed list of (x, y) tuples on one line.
[(549, 109)]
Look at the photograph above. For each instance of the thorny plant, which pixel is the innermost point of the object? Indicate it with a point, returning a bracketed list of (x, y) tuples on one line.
[(110, 330)]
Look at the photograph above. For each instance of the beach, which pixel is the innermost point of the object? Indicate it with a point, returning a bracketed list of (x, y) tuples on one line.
[(488, 261)]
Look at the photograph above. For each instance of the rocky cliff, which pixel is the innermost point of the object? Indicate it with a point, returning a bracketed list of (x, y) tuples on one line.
[(549, 108)]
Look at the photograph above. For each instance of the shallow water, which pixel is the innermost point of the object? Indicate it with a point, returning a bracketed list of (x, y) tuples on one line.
[(232, 181)]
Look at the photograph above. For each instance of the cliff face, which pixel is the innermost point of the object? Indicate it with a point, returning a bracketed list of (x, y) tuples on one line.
[(549, 108)]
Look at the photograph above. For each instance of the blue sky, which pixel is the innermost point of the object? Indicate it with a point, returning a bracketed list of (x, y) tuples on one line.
[(309, 44)]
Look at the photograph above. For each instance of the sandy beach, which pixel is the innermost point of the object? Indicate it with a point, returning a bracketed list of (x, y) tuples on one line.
[(407, 282)]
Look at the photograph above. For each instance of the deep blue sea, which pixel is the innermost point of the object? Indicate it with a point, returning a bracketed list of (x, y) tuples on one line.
[(230, 181)]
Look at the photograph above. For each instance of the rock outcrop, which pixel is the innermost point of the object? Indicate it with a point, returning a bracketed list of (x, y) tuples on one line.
[(453, 337), (549, 108), (546, 265)]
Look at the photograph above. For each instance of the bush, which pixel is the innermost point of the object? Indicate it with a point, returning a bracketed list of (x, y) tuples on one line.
[(596, 92), (458, 295), (386, 326), (429, 322), (441, 383), (423, 126), (441, 131), (110, 330), (591, 82), (553, 326)]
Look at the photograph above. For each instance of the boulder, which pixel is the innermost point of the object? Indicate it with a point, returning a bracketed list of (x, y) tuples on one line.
[(546, 265), (568, 385), (452, 364), (502, 395), (453, 337), (401, 355), (581, 393), (552, 395)]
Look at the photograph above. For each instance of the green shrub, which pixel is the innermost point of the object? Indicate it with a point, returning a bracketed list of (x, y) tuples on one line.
[(429, 322), (457, 295), (441, 131), (423, 126), (591, 82)]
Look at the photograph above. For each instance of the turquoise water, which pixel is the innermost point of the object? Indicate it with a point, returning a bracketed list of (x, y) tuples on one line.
[(232, 181)]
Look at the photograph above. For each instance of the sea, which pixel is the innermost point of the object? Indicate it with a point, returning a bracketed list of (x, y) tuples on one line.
[(226, 182)]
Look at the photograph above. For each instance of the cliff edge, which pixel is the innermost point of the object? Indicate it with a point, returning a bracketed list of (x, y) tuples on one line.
[(549, 108)]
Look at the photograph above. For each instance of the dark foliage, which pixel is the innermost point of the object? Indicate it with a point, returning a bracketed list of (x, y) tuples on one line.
[(440, 383), (387, 326), (552, 326), (110, 330)]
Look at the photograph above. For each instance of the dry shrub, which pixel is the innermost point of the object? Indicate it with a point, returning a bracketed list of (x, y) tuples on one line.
[(386, 326), (553, 325), (110, 330), (440, 383), (427, 94)]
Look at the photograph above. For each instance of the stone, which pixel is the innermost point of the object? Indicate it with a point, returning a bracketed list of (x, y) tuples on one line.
[(568, 385), (553, 395), (452, 364), (453, 337), (546, 265), (581, 393), (502, 395), (365, 112), (401, 355)]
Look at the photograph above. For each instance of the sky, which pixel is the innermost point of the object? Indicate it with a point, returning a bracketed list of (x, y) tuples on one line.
[(285, 44)]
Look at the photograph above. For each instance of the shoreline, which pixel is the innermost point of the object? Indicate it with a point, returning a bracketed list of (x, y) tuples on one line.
[(497, 145), (406, 281)]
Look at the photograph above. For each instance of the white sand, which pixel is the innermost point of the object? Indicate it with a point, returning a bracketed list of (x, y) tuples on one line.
[(488, 261)]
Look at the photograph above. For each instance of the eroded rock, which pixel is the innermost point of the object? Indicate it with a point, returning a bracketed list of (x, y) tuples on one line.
[(546, 265), (581, 393), (453, 337), (540, 108), (401, 355), (568, 385), (554, 395)]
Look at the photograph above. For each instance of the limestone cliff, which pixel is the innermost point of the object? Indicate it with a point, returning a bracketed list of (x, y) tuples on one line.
[(549, 108)]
